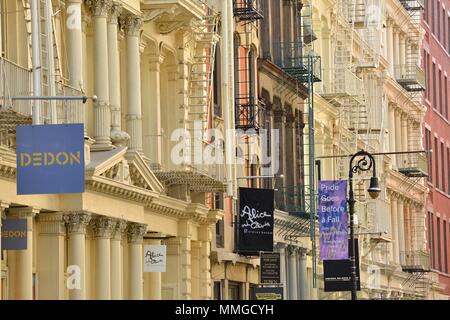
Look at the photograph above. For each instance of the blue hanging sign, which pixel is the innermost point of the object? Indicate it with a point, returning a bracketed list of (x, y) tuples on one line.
[(50, 159)]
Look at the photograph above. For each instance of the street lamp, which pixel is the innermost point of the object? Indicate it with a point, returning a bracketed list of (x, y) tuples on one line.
[(365, 163)]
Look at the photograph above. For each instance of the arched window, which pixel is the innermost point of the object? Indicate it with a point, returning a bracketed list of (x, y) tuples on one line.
[(217, 88)]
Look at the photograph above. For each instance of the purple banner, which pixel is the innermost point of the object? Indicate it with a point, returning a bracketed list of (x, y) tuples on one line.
[(333, 220)]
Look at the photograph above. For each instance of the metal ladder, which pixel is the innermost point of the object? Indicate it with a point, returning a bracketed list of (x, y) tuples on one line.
[(50, 58), (205, 38)]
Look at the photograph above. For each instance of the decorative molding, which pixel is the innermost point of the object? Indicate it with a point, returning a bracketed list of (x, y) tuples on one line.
[(77, 222), (165, 27), (150, 15), (23, 212), (51, 224), (135, 232), (103, 227)]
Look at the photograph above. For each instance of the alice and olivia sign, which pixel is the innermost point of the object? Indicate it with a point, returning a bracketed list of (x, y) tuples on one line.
[(155, 258), (255, 221)]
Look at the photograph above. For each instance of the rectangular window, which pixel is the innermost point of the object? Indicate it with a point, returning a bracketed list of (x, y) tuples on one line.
[(438, 234), (431, 238), (433, 247), (448, 34), (441, 111), (220, 230), (428, 77), (443, 166), (448, 171), (217, 290), (428, 148), (425, 69), (444, 29), (445, 247), (3, 24), (433, 20), (234, 291), (436, 162), (434, 87), (425, 11), (445, 97), (438, 27)]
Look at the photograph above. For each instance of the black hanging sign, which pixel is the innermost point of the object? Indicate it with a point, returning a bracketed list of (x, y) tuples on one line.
[(255, 221), (337, 273)]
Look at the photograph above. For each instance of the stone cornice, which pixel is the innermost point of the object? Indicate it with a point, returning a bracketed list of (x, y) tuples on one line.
[(396, 185), (274, 72), (400, 97), (120, 190)]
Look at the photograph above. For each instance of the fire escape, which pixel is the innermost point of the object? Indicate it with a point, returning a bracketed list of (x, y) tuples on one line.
[(249, 110), (17, 81), (416, 259), (301, 66), (199, 176), (412, 78)]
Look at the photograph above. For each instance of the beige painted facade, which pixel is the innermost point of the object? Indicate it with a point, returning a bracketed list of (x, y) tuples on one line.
[(392, 228), (137, 58)]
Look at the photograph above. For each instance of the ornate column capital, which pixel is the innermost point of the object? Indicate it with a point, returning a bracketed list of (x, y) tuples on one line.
[(135, 232), (292, 250), (77, 222), (132, 25), (155, 61), (103, 227), (119, 229), (302, 252), (99, 8), (281, 245), (114, 12)]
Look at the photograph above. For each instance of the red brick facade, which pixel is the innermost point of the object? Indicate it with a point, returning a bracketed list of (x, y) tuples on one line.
[(436, 57)]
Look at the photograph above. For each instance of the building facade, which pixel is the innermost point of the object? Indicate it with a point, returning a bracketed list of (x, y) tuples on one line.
[(197, 98), (371, 98), (435, 59), (149, 64)]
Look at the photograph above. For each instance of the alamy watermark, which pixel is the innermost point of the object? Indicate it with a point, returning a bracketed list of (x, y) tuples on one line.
[(209, 147)]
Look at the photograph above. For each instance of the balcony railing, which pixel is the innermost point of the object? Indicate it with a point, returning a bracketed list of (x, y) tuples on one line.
[(413, 165), (412, 5), (411, 77), (291, 200), (343, 83), (196, 171), (247, 10), (415, 261), (296, 63), (17, 81), (249, 115)]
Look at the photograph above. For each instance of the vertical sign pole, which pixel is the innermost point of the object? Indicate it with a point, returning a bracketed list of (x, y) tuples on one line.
[(35, 55)]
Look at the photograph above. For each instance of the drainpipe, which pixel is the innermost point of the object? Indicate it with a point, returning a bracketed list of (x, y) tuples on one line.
[(227, 62)]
